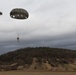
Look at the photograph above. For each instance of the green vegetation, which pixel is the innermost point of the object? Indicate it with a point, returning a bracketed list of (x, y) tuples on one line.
[(39, 58), (56, 57)]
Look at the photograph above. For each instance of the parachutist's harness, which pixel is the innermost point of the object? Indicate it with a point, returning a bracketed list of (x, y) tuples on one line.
[(18, 39)]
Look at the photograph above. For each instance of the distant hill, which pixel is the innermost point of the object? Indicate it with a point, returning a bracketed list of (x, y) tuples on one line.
[(39, 58)]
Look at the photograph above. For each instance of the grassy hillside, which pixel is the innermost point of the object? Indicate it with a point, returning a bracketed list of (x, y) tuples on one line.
[(38, 57)]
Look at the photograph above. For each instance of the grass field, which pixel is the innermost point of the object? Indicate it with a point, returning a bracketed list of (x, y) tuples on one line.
[(36, 73)]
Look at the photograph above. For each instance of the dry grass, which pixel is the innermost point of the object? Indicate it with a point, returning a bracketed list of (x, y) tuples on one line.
[(35, 73)]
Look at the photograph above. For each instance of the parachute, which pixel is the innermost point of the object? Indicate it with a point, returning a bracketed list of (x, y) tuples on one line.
[(0, 13), (19, 13)]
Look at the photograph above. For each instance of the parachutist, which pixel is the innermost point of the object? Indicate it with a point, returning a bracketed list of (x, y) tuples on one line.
[(18, 39)]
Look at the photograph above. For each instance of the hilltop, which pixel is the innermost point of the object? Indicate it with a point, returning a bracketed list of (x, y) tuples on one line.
[(39, 58)]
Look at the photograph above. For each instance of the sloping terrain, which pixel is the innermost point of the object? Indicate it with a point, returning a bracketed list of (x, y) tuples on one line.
[(39, 58)]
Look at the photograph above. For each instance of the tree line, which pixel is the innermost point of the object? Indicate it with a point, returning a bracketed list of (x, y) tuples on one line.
[(25, 55)]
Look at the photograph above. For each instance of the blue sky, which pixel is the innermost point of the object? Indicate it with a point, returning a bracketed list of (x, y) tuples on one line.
[(51, 23)]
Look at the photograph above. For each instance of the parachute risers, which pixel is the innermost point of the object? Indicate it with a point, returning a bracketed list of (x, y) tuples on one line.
[(19, 13)]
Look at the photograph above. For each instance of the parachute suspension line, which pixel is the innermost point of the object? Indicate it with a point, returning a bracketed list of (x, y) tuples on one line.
[(16, 32), (18, 38), (17, 35)]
